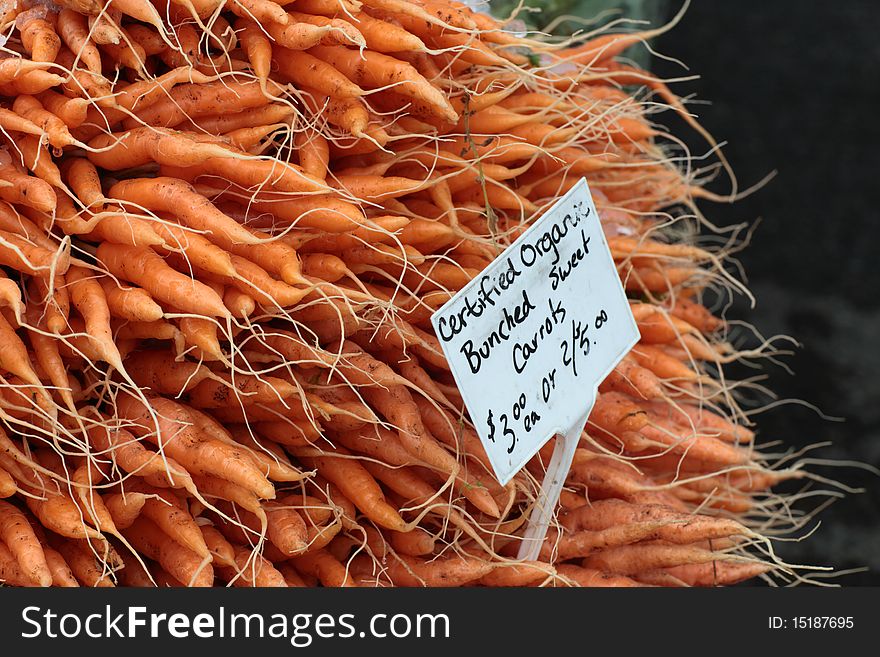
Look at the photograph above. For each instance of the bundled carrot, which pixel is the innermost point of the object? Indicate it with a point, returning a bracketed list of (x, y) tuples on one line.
[(218, 265)]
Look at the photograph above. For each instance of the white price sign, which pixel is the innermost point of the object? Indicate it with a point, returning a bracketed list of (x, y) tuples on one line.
[(530, 339)]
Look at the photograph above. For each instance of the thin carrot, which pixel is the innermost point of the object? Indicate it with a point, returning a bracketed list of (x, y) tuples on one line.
[(324, 566), (62, 576), (183, 564), (88, 297), (17, 533), (147, 270), (378, 70), (132, 303), (124, 508), (74, 31), (355, 483)]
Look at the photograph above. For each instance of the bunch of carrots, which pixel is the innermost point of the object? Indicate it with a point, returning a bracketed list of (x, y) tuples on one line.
[(224, 227)]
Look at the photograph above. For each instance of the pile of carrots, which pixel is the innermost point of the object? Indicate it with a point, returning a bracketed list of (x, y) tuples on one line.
[(224, 227)]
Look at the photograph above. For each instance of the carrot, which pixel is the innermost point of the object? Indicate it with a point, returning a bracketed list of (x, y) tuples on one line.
[(12, 122), (28, 83), (160, 372), (355, 483), (31, 108), (17, 533), (662, 364), (38, 37), (292, 432), (257, 173), (378, 70), (14, 356), (348, 113), (84, 180), (181, 563), (172, 517), (196, 248), (131, 303), (386, 37), (314, 153), (129, 454), (253, 570), (61, 574), (254, 140), (158, 330), (257, 47), (324, 266), (88, 297), (633, 559), (36, 158), (147, 270), (264, 11), (139, 146), (455, 570), (717, 573), (140, 11), (324, 566), (74, 31), (704, 421), (384, 445), (148, 38), (521, 574), (189, 101), (124, 508), (7, 484), (104, 27), (200, 337), (222, 551), (291, 577), (415, 543), (127, 53), (239, 303), (328, 7), (223, 390), (27, 190), (10, 297), (324, 212), (172, 432), (10, 571), (146, 94), (272, 114), (255, 281), (696, 315), (306, 70), (594, 578), (60, 514), (397, 406), (285, 528), (630, 378), (266, 456)]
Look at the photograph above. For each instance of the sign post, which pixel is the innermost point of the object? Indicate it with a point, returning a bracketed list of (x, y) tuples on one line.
[(530, 339)]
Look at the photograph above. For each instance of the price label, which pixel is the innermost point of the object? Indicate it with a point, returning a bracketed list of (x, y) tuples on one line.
[(530, 339)]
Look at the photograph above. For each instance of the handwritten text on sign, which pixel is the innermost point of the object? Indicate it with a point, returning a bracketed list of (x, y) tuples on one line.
[(532, 336)]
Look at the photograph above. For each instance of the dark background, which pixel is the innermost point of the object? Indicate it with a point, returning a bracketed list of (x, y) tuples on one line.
[(795, 87)]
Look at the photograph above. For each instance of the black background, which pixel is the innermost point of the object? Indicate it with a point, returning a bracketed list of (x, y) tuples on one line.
[(795, 87)]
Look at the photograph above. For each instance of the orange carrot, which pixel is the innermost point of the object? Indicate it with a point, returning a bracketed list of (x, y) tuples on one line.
[(124, 508), (132, 303), (74, 31), (17, 533), (355, 483), (324, 566), (147, 270), (181, 563)]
